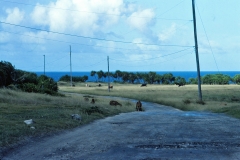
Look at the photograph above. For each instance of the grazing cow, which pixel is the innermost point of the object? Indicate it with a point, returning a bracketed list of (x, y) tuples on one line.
[(144, 85), (93, 101), (111, 87), (179, 84), (114, 103), (99, 85), (86, 99), (139, 106)]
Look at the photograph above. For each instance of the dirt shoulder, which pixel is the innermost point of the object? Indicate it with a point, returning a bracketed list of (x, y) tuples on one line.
[(160, 132)]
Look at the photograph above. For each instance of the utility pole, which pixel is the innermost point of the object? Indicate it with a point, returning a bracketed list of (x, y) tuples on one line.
[(44, 65), (108, 75), (196, 51), (71, 66)]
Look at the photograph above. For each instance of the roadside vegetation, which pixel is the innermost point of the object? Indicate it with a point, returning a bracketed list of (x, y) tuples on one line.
[(216, 98), (51, 113), (26, 81)]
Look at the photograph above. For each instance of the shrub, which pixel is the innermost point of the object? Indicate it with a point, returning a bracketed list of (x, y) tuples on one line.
[(186, 101), (200, 102)]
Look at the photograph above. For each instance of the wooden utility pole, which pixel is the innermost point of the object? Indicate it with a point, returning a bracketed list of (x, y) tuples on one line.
[(71, 66), (44, 65), (196, 51), (108, 75)]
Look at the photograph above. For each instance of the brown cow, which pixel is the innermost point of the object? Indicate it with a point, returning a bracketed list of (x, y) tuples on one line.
[(111, 87), (114, 103), (139, 106)]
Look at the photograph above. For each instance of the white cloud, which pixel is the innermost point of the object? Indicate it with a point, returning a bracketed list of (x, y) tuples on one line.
[(14, 16), (142, 19), (80, 17), (167, 33)]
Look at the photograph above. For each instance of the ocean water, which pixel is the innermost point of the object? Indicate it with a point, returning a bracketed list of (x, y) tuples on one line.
[(185, 74)]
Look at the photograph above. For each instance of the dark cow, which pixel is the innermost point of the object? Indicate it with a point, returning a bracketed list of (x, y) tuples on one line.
[(139, 106), (114, 103), (99, 85), (111, 87), (144, 85), (93, 101), (179, 84)]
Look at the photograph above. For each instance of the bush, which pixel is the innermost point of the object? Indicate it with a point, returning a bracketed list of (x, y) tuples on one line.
[(186, 101), (29, 87), (200, 102)]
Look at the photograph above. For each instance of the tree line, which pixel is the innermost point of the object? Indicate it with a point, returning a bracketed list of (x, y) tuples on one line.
[(66, 78), (25, 81), (167, 78)]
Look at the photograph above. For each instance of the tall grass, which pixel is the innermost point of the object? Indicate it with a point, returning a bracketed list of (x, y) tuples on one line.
[(51, 114), (216, 98)]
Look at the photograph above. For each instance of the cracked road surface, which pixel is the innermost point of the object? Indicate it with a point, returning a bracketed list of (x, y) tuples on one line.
[(160, 132)]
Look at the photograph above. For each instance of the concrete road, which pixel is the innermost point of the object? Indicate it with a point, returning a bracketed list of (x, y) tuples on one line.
[(160, 132)]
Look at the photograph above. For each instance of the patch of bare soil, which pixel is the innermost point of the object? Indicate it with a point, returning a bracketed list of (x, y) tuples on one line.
[(160, 132)]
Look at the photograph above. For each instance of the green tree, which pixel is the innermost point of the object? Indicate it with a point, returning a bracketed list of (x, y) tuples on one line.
[(6, 73), (158, 78), (193, 81), (118, 74), (180, 80), (168, 78), (125, 76), (47, 85), (93, 73), (132, 77), (236, 79), (100, 75), (152, 77)]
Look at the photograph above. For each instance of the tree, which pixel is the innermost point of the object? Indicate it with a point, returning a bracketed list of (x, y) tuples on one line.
[(193, 81), (152, 77), (168, 78), (158, 78), (180, 81), (132, 77), (125, 76), (47, 84), (100, 74), (6, 73), (236, 79), (93, 73), (118, 74)]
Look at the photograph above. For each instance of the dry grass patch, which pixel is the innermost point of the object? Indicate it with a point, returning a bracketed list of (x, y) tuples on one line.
[(51, 114), (216, 98)]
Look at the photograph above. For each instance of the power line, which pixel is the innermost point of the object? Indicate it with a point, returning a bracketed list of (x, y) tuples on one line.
[(171, 8), (81, 43), (153, 57), (158, 62), (208, 39), (73, 10), (101, 39)]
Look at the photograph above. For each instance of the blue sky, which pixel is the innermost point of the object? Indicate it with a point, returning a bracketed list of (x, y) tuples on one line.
[(138, 35)]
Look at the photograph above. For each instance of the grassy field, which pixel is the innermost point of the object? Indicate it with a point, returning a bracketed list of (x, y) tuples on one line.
[(217, 98), (51, 114)]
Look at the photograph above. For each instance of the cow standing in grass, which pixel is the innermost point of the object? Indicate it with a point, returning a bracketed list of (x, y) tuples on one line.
[(115, 103), (139, 106), (144, 85)]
